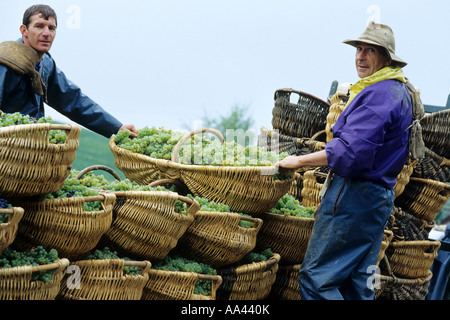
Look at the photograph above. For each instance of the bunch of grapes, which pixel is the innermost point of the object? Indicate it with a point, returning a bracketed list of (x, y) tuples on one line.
[(207, 205), (12, 119), (199, 149), (4, 204), (290, 206), (175, 262), (34, 257), (72, 187), (107, 253), (254, 256)]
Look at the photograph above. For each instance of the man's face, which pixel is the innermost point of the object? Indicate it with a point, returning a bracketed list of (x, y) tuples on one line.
[(40, 33), (369, 59)]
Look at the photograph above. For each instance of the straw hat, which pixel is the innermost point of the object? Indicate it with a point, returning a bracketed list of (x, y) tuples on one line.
[(379, 35)]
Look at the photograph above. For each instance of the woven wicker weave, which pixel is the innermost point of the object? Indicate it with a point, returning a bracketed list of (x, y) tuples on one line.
[(286, 235), (63, 224), (251, 281), (313, 181), (423, 198), (337, 104), (146, 225), (301, 119), (8, 229), (390, 287), (436, 132), (104, 280), (412, 259), (177, 285), (286, 285), (407, 227), (251, 190), (387, 238), (215, 238), (433, 167), (31, 165), (16, 283)]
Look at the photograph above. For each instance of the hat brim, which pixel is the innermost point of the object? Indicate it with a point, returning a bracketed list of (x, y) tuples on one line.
[(401, 63)]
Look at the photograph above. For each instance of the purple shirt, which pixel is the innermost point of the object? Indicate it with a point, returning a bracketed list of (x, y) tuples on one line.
[(371, 134)]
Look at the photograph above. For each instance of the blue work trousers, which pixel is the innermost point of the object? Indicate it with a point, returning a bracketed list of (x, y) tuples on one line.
[(345, 242)]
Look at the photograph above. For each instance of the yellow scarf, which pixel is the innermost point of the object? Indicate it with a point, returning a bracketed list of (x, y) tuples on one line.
[(387, 73)]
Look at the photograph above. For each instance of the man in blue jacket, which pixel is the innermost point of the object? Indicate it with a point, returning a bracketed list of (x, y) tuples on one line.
[(369, 148), (19, 94)]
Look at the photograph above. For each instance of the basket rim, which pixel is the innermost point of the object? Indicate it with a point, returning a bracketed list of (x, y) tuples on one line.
[(16, 212), (50, 126), (285, 217), (301, 93), (161, 163), (60, 263)]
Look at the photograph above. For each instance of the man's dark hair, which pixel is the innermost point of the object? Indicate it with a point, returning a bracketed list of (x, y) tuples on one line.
[(43, 9)]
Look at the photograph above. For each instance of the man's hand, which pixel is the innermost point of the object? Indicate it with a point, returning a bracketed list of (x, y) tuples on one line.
[(131, 128), (289, 163)]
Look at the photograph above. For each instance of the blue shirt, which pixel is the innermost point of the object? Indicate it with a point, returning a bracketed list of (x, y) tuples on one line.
[(17, 95), (371, 134)]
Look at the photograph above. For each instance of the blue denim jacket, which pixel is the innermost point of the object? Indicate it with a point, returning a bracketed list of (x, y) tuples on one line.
[(17, 95)]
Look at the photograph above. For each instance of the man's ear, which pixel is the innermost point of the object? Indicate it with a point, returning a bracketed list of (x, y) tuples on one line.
[(23, 30)]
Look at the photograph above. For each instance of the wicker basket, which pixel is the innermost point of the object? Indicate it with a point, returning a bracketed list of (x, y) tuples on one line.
[(251, 190), (337, 104), (276, 142), (423, 198), (251, 281), (407, 227), (146, 225), (390, 287), (436, 132), (286, 285), (301, 119), (388, 235), (215, 238), (313, 181), (178, 285), (432, 166), (104, 280), (8, 229), (412, 259), (63, 224), (16, 283), (31, 165), (286, 235), (404, 176)]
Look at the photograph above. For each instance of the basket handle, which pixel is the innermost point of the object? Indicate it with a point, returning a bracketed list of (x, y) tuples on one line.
[(165, 181), (144, 265), (98, 167), (180, 143), (257, 223), (194, 206), (62, 263)]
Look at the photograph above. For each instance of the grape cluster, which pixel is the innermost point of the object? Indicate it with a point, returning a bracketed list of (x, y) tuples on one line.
[(34, 257), (199, 149), (4, 204), (107, 253), (207, 205), (175, 262), (72, 187), (254, 256), (12, 119), (290, 206)]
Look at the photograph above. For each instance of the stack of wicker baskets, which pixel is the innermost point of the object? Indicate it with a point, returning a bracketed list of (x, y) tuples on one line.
[(31, 166)]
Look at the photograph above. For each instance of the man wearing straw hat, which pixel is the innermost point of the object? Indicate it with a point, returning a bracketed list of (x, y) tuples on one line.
[(372, 139), (29, 78)]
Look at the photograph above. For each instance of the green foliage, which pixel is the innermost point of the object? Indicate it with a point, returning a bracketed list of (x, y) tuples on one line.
[(35, 257), (290, 206)]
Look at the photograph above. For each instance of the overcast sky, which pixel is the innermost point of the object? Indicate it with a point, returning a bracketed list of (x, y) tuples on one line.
[(172, 62)]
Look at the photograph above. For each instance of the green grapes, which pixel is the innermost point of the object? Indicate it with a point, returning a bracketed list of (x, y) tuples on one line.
[(107, 253), (4, 205), (177, 263), (290, 206), (254, 256), (207, 205), (159, 143), (12, 119), (72, 187), (37, 256)]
